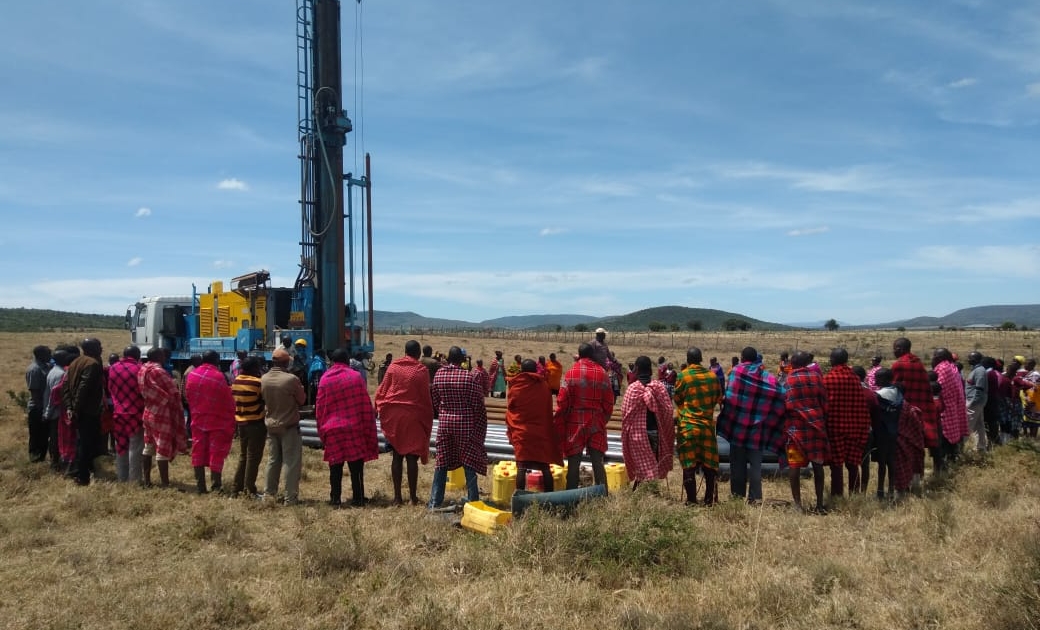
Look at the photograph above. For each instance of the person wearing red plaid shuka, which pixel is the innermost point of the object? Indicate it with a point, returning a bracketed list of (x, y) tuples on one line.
[(212, 407), (127, 412), (805, 423), (954, 416), (848, 422), (458, 398), (163, 418), (346, 426), (583, 407)]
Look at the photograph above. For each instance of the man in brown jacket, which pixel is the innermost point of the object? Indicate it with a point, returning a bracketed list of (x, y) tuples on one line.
[(84, 398), (283, 394)]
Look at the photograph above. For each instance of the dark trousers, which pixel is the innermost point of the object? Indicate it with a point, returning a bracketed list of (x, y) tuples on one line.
[(599, 471), (88, 437), (39, 435), (745, 472), (357, 482), (52, 442), (251, 439)]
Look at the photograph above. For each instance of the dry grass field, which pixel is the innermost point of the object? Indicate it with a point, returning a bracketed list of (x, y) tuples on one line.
[(965, 555)]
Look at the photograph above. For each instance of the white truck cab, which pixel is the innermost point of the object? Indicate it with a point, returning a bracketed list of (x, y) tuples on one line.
[(159, 321)]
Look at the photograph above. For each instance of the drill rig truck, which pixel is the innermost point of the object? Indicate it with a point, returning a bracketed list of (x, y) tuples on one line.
[(251, 315)]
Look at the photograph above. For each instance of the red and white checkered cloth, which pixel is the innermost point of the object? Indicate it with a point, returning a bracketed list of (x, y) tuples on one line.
[(345, 416)]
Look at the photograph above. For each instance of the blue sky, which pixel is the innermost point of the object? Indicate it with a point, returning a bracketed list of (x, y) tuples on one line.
[(793, 160)]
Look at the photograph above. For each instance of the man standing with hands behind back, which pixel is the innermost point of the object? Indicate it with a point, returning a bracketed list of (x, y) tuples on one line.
[(283, 394)]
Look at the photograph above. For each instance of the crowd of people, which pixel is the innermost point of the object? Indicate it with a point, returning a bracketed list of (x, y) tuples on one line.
[(845, 418)]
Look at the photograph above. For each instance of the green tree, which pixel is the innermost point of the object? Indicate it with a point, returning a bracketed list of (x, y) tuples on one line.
[(831, 324), (559, 327), (695, 325), (657, 327), (581, 328), (1008, 326), (731, 324)]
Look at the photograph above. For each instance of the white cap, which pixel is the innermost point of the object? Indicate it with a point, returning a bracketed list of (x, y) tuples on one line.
[(601, 330)]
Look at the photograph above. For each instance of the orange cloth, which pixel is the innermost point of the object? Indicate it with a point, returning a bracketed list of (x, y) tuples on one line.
[(554, 374), (405, 407), (795, 458), (529, 420)]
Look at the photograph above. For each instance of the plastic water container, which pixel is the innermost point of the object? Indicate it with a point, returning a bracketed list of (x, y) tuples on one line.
[(617, 477), (503, 484), (479, 517), (534, 481), (559, 475), (456, 479)]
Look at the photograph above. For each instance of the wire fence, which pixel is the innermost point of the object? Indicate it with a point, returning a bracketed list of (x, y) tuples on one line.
[(860, 343)]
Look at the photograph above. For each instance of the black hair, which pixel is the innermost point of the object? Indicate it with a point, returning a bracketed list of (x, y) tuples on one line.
[(340, 355)]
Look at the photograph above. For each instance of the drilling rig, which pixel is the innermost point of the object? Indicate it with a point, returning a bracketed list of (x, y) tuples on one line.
[(320, 308)]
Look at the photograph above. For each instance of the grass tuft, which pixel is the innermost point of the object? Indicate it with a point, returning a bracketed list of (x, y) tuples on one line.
[(940, 517), (781, 602), (616, 541), (332, 550), (828, 576), (431, 614)]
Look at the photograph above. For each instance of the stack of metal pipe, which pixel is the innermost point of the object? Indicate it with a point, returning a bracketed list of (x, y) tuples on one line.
[(496, 442)]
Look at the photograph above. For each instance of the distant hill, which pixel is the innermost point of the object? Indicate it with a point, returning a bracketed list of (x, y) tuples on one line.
[(678, 317), (995, 315), (682, 316), (36, 319), (406, 320), (524, 322)]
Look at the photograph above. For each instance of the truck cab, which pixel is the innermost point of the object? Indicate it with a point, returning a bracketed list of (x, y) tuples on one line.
[(160, 321)]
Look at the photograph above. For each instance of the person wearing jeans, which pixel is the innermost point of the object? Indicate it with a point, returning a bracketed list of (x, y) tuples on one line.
[(751, 421), (458, 400), (745, 478)]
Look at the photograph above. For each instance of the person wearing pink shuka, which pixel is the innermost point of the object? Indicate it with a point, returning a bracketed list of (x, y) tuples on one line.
[(127, 411), (212, 408), (346, 426)]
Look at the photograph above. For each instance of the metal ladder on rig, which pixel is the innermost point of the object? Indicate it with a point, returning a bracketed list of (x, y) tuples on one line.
[(308, 139)]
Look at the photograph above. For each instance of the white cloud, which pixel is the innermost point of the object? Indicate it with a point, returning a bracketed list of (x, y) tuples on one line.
[(143, 212), (983, 260), (232, 183), (133, 262), (808, 231), (544, 291), (92, 295), (1017, 209), (603, 187), (850, 179), (551, 231), (223, 264), (1033, 89), (962, 83), (589, 68)]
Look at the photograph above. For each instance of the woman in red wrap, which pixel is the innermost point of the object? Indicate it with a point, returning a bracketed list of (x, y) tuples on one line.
[(529, 425)]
